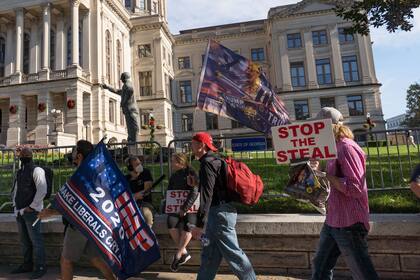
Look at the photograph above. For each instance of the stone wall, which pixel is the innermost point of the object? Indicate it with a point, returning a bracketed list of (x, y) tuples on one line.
[(276, 244)]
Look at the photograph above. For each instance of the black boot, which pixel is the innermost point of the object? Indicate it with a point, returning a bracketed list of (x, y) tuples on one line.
[(39, 272)]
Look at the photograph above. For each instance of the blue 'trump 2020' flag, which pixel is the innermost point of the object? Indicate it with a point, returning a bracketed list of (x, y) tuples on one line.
[(234, 87), (98, 202)]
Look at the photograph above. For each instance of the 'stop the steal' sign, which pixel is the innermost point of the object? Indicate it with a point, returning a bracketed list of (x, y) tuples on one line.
[(308, 140)]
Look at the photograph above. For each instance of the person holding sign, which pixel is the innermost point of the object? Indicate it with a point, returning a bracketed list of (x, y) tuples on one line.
[(347, 221), (178, 222)]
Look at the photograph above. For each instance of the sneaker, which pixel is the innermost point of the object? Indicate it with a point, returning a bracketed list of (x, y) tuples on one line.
[(175, 264), (39, 272), (184, 258), (22, 269)]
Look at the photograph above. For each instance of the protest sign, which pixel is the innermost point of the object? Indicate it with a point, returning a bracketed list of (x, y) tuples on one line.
[(306, 140), (176, 198)]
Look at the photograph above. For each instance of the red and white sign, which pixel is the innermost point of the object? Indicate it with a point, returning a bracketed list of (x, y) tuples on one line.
[(306, 140), (175, 199)]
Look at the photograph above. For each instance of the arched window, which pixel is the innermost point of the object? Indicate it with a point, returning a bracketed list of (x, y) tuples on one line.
[(108, 43), (52, 49), (119, 57), (26, 52), (2, 55)]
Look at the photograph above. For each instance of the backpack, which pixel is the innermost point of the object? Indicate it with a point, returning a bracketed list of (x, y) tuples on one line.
[(49, 176), (242, 185)]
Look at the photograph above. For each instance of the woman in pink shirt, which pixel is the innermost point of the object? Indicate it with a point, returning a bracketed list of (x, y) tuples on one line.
[(347, 222)]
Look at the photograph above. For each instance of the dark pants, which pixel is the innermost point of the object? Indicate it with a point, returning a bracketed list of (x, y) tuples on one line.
[(31, 239), (349, 241)]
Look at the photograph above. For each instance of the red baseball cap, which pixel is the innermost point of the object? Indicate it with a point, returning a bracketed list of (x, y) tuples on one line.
[(205, 138)]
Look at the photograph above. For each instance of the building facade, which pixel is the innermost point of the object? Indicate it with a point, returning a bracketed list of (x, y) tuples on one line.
[(55, 54), (395, 122)]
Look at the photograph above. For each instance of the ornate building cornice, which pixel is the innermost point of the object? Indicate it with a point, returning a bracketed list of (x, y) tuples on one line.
[(296, 10), (154, 26), (117, 10), (186, 41)]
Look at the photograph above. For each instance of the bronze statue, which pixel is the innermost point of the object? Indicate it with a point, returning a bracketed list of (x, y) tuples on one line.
[(128, 105)]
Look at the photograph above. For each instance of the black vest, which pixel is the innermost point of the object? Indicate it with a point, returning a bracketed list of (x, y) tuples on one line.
[(26, 188)]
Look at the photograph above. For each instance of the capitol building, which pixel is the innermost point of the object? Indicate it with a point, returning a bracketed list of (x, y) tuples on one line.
[(54, 54)]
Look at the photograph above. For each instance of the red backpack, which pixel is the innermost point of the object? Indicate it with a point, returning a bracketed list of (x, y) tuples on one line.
[(243, 185)]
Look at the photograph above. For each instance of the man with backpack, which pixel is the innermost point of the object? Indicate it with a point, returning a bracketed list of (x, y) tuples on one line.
[(29, 191), (216, 219)]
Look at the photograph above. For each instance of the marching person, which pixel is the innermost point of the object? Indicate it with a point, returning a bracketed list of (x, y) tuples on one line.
[(415, 181), (347, 222), (178, 224), (28, 193), (140, 180), (75, 244), (216, 219), (410, 139)]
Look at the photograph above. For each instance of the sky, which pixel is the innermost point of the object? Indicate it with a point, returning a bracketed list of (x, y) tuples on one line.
[(396, 55)]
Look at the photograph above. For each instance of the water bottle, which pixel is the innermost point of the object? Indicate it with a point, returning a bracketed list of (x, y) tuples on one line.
[(205, 241)]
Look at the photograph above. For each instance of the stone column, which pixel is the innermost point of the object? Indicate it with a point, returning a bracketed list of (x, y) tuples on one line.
[(86, 42), (310, 59), (9, 51), (46, 13), (364, 63), (342, 105), (75, 32), (60, 56), (336, 56), (314, 106), (285, 65), (19, 41), (34, 47), (42, 129), (74, 117), (16, 130)]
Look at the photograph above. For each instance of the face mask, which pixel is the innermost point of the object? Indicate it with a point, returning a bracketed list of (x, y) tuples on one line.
[(25, 160), (139, 168)]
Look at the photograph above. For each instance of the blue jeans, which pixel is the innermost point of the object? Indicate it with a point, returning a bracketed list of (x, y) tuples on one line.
[(352, 243), (220, 230), (31, 239)]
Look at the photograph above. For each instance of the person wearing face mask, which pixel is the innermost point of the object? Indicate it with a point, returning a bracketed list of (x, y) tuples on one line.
[(140, 181), (28, 193)]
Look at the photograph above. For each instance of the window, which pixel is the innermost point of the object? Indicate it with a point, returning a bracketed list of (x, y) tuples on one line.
[(144, 117), (127, 3), (111, 112), (185, 91), (69, 45), (52, 49), (184, 62), (145, 50), (2, 56), (122, 118), (344, 36), (297, 72), (169, 116), (350, 69), (327, 102), (26, 52), (355, 104), (187, 122), (145, 83), (294, 41), (236, 124), (142, 5), (257, 54), (108, 43), (319, 37), (323, 71), (119, 57), (301, 109), (211, 121)]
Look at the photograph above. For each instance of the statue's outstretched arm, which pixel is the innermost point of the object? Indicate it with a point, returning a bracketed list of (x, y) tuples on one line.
[(111, 89)]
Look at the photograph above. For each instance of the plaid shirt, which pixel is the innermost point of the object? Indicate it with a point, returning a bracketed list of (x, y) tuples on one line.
[(351, 206)]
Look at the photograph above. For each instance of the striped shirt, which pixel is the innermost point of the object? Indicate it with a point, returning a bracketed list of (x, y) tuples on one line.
[(351, 206)]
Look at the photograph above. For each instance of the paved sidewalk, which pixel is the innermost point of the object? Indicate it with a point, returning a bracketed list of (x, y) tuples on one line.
[(88, 274)]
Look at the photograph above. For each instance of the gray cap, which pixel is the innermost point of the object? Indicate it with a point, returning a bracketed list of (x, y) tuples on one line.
[(330, 113)]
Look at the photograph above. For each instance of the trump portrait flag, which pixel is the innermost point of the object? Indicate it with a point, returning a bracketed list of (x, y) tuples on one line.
[(98, 202), (235, 87)]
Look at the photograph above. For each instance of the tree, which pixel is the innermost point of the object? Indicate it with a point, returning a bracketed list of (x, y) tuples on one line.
[(394, 14), (412, 115)]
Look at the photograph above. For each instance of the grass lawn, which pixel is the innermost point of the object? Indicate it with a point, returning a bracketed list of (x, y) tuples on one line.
[(386, 168)]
